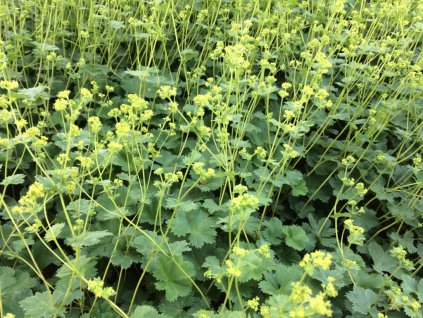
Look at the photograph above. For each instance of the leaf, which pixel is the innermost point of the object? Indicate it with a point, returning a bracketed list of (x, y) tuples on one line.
[(179, 247), (185, 206), (188, 54), (280, 281), (14, 179), (419, 291), (80, 206), (199, 226), (45, 46), (295, 180), (406, 240), (251, 267), (383, 262), (123, 259), (366, 280), (172, 279), (146, 245), (296, 237), (41, 305), (117, 24), (299, 189), (87, 238), (85, 266), (409, 284), (273, 232), (403, 212), (31, 92), (7, 278), (146, 311), (54, 231), (362, 299), (211, 206)]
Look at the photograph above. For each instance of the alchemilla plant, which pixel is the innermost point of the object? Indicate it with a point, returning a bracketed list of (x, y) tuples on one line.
[(216, 158)]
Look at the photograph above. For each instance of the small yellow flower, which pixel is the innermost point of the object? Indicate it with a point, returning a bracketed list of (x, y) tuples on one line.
[(60, 104), (123, 129), (86, 162), (94, 124), (300, 293), (96, 287), (86, 94), (260, 152), (240, 251), (320, 306), (265, 311), (264, 250), (32, 132), (9, 85), (286, 85), (415, 305), (63, 94), (114, 147), (417, 160), (20, 123), (231, 270), (297, 313), (330, 289), (74, 130), (202, 100), (165, 92), (314, 260), (253, 303)]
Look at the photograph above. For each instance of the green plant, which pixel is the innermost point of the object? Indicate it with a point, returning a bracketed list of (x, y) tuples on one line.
[(211, 158)]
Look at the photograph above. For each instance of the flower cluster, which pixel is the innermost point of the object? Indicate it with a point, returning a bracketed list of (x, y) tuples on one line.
[(204, 174), (96, 286), (401, 255), (317, 259), (356, 233), (243, 202), (29, 200)]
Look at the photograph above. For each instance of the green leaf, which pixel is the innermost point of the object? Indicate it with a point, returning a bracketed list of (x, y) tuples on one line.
[(185, 206), (85, 266), (14, 179), (87, 238), (280, 281), (179, 247), (251, 267), (146, 311), (362, 299), (295, 237), (383, 262), (171, 278), (41, 305), (419, 291), (199, 226), (299, 189), (211, 206), (273, 232), (406, 240), (295, 180), (53, 232), (31, 92), (123, 259), (117, 24), (6, 278)]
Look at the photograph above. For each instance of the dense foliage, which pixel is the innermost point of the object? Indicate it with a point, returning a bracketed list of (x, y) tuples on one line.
[(211, 158)]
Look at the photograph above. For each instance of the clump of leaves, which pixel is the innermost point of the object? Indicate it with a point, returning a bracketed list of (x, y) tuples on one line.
[(211, 159)]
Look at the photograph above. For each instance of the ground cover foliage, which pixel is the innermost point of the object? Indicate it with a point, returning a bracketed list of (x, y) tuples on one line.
[(213, 158)]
